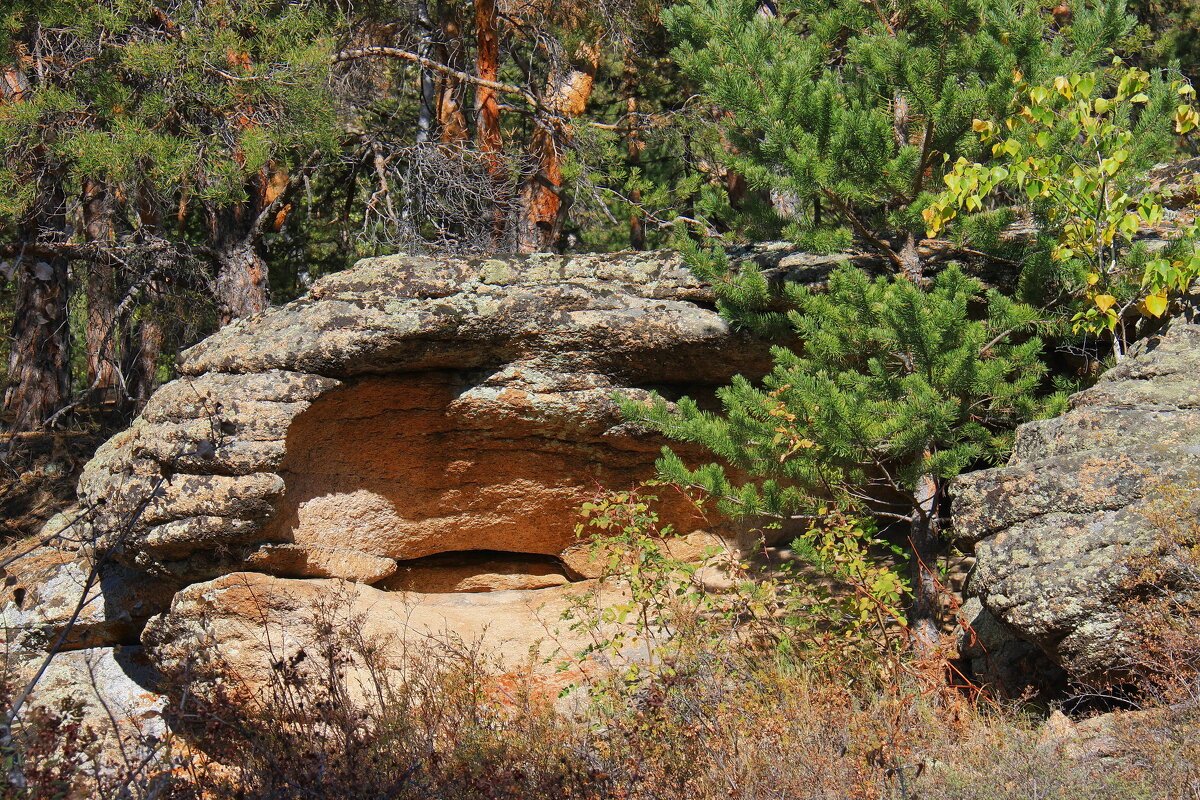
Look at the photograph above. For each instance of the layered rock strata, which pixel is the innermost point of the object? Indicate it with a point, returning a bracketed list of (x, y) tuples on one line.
[(410, 439), (408, 408)]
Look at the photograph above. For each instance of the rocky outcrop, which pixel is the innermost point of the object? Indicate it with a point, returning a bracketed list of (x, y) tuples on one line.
[(1063, 531), (407, 443), (407, 408), (249, 629)]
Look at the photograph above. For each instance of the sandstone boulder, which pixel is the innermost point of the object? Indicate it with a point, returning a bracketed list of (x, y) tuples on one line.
[(1061, 531), (115, 687), (258, 630), (55, 595), (405, 447), (406, 408)]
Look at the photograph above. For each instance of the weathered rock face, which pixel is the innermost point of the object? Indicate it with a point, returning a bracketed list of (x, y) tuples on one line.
[(406, 408), (1059, 531), (407, 443), (250, 626)]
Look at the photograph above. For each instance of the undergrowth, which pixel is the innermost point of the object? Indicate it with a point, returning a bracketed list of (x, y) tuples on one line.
[(708, 693)]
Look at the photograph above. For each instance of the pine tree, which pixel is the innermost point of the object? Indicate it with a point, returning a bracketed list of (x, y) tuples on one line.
[(845, 110), (893, 391), (148, 145)]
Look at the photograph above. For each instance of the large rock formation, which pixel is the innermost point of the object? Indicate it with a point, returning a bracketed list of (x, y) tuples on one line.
[(1062, 532), (410, 434), (406, 408)]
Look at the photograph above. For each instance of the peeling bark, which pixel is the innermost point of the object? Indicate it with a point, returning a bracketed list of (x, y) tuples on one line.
[(542, 210), (487, 108)]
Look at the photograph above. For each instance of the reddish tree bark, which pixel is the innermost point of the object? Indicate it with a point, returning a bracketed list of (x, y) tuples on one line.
[(487, 105), (567, 93), (487, 109)]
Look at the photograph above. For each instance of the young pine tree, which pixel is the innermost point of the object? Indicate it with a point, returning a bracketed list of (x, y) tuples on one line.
[(894, 390), (848, 108)]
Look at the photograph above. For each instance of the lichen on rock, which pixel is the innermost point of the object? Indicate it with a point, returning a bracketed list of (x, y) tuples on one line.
[(411, 429), (1060, 531)]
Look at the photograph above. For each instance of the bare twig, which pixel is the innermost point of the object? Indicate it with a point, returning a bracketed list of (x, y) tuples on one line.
[(428, 63)]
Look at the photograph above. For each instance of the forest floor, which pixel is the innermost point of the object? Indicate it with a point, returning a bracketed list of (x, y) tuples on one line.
[(39, 470)]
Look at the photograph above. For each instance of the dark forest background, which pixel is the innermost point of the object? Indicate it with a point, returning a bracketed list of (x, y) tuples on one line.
[(166, 167)]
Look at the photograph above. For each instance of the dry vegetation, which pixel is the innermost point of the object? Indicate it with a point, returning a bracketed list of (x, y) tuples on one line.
[(705, 717)]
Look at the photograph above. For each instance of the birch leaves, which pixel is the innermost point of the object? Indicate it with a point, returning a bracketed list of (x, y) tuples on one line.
[(1073, 150)]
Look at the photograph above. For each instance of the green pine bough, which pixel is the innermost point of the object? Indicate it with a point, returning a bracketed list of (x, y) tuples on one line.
[(844, 112), (892, 390)]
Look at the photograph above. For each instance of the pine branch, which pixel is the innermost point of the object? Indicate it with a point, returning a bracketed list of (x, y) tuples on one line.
[(862, 229)]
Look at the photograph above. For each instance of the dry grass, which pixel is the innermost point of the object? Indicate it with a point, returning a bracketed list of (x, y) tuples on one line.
[(707, 719), (702, 727)]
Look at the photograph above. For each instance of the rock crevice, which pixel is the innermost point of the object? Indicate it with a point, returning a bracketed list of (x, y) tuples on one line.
[(412, 437)]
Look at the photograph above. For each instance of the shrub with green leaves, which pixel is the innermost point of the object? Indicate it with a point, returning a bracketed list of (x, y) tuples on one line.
[(1075, 150), (834, 604), (847, 108)]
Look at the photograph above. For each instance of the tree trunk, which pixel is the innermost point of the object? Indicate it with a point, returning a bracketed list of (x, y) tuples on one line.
[(102, 290), (425, 50), (487, 109), (144, 338), (242, 287), (39, 364), (144, 334), (567, 94), (924, 538), (487, 106), (633, 152), (39, 361), (452, 123), (633, 158), (910, 260)]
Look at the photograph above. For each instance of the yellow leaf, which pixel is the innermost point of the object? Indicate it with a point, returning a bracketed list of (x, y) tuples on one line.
[(1093, 278), (1156, 304), (1105, 301)]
